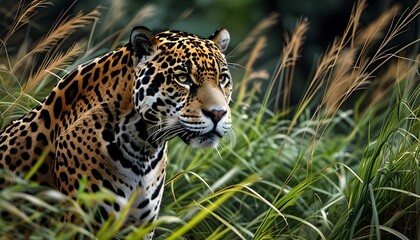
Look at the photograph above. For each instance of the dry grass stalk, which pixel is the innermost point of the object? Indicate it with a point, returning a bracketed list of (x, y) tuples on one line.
[(63, 30), (346, 66), (349, 73), (57, 61), (342, 78), (346, 77), (116, 12), (354, 21), (184, 15), (323, 69), (290, 55), (330, 58), (116, 37), (375, 30), (256, 85), (373, 33), (255, 54), (52, 63), (144, 13), (23, 16), (262, 26), (383, 54), (395, 73)]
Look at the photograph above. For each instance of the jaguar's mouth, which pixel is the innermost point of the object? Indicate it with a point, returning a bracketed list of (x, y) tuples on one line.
[(209, 139)]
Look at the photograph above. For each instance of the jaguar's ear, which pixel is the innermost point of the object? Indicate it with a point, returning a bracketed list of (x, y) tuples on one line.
[(142, 41), (221, 37)]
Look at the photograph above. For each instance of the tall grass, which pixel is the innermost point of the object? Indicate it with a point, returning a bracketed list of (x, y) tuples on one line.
[(327, 168)]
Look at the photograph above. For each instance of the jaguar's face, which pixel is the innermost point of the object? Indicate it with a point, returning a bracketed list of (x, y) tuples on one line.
[(183, 86)]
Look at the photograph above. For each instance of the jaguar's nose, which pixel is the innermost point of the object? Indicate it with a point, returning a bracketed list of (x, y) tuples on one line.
[(214, 115)]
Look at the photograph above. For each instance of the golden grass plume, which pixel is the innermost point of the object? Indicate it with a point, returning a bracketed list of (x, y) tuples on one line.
[(58, 61), (354, 66), (252, 37), (61, 31), (23, 16), (290, 55)]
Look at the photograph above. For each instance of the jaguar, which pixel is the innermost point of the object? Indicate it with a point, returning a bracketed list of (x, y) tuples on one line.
[(110, 119)]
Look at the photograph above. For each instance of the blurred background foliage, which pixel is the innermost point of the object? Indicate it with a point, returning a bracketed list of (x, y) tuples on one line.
[(326, 18)]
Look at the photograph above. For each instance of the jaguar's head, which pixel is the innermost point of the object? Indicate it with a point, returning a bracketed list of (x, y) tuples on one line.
[(183, 85)]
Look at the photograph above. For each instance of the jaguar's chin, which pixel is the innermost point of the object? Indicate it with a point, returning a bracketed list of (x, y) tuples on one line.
[(207, 140)]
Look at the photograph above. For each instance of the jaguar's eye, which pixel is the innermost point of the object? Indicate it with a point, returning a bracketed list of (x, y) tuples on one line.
[(183, 78), (223, 78)]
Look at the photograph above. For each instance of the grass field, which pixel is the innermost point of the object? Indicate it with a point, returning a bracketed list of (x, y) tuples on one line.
[(343, 163)]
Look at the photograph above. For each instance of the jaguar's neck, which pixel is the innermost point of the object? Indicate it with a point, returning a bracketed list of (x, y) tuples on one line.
[(133, 137), (143, 166)]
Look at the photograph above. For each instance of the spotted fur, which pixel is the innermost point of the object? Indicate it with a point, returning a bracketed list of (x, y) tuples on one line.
[(110, 118)]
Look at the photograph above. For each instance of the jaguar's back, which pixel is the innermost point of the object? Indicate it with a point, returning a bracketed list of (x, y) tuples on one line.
[(69, 116), (110, 119)]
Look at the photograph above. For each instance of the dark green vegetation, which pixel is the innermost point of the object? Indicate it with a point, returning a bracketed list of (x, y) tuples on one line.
[(342, 163)]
